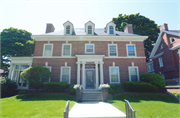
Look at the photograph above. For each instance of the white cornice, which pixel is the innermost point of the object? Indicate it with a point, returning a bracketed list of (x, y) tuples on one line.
[(54, 57), (87, 38), (22, 60), (158, 55), (175, 47), (125, 57)]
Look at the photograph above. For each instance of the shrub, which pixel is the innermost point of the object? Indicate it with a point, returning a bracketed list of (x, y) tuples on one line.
[(115, 88), (139, 86), (8, 87), (153, 78), (176, 94), (36, 76), (56, 86), (71, 89)]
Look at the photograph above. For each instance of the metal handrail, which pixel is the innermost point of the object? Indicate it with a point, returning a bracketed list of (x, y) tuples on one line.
[(130, 112), (66, 111)]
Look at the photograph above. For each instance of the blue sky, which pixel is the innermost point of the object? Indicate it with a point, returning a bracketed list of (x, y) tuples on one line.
[(32, 15)]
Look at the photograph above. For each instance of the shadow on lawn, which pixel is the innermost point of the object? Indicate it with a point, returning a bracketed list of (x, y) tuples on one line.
[(139, 96), (45, 96)]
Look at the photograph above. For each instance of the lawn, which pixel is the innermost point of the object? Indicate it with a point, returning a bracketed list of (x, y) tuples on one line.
[(36, 105), (148, 104)]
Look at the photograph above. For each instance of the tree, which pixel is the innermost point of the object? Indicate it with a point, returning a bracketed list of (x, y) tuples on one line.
[(142, 26), (35, 76), (15, 42)]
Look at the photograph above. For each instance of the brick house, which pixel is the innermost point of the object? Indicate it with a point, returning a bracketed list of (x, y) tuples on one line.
[(165, 54), (88, 56)]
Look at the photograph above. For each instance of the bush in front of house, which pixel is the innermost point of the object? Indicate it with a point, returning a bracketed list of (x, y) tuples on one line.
[(36, 76), (71, 89), (153, 78), (8, 87), (115, 88), (176, 94), (56, 86), (139, 86)]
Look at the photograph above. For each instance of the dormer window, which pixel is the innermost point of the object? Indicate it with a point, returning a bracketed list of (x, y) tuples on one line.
[(172, 40), (111, 31), (68, 29), (89, 29)]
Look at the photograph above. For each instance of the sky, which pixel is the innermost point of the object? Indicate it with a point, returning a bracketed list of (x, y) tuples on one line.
[(32, 15)]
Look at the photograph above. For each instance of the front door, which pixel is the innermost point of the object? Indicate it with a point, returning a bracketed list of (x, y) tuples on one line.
[(90, 79)]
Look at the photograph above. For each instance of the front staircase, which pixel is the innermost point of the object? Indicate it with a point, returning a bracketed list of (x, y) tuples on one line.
[(91, 95)]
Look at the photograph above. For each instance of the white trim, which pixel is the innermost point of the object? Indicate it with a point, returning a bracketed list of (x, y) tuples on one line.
[(110, 75), (125, 57), (171, 40), (44, 49), (128, 50), (69, 73), (158, 55), (63, 49), (55, 57), (175, 47), (116, 50), (160, 62), (130, 71), (93, 48), (21, 60)]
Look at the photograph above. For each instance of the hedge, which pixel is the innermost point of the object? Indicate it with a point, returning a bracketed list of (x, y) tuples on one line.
[(56, 86), (115, 88), (153, 78), (71, 89), (139, 86)]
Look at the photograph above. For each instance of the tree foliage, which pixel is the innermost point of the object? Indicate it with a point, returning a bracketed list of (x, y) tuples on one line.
[(142, 26), (35, 76), (16, 42)]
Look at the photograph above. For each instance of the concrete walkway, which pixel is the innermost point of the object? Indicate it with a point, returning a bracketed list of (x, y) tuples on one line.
[(95, 110)]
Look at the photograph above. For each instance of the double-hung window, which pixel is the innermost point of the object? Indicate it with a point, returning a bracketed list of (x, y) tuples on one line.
[(65, 74), (48, 48), (112, 49), (111, 30), (133, 73), (131, 50), (89, 29), (66, 50), (150, 67), (114, 74), (161, 62), (68, 29), (89, 48)]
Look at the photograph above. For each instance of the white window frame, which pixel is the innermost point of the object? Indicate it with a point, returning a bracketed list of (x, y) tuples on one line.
[(86, 48), (51, 50), (110, 74), (69, 29), (69, 73), (109, 50), (128, 50), (129, 67), (171, 40), (63, 49), (49, 67), (160, 62)]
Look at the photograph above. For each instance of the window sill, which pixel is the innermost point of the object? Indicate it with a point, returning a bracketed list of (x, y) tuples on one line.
[(172, 42)]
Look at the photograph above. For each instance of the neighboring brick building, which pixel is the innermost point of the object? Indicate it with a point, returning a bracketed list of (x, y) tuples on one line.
[(88, 56), (165, 55)]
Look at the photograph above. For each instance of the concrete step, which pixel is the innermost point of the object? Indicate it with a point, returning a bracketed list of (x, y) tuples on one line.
[(91, 95)]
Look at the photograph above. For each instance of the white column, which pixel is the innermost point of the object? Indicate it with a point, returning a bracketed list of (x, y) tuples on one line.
[(78, 72), (10, 71), (97, 81), (83, 74), (30, 64), (101, 72)]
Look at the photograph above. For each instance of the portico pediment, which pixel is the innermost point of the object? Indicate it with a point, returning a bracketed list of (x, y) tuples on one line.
[(90, 58)]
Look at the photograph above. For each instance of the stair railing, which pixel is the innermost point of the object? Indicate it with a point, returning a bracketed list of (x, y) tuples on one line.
[(66, 111), (130, 113)]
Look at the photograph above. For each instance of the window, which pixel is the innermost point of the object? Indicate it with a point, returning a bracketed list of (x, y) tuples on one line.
[(133, 73), (68, 29), (89, 29), (150, 67), (48, 49), (131, 50), (161, 45), (114, 74), (65, 74), (161, 62), (89, 48), (171, 40), (66, 50), (111, 30), (112, 49)]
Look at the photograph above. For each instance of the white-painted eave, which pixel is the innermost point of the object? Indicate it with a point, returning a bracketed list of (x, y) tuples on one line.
[(87, 38)]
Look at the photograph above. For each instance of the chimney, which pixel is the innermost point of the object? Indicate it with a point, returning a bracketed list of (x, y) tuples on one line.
[(164, 27), (49, 28), (128, 28)]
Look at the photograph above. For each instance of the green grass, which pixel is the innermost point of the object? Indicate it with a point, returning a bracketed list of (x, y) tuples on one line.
[(176, 94), (36, 105), (148, 105)]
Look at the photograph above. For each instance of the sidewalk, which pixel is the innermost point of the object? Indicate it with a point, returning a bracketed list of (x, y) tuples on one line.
[(95, 110)]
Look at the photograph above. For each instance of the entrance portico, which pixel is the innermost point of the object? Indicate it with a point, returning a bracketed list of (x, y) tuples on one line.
[(90, 74)]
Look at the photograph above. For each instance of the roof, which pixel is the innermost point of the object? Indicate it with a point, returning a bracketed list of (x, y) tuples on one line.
[(98, 31), (172, 32)]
